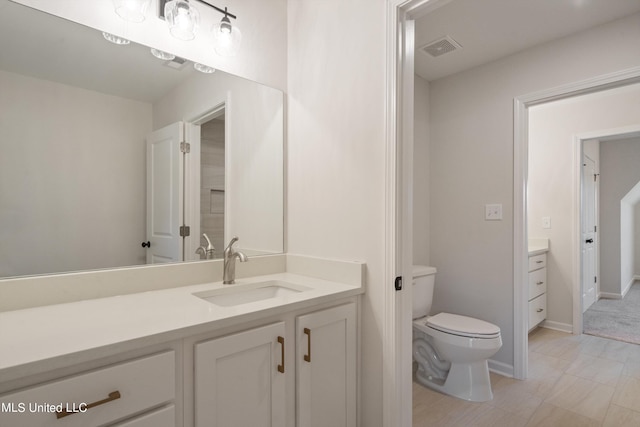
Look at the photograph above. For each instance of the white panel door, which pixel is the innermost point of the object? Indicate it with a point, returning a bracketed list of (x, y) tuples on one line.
[(589, 252), (165, 177), (240, 379), (326, 367)]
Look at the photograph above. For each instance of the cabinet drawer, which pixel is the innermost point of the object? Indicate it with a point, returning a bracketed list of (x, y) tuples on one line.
[(111, 393), (164, 417), (537, 283), (537, 261), (537, 310)]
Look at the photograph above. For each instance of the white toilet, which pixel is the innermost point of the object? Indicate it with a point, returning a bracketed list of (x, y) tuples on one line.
[(451, 350)]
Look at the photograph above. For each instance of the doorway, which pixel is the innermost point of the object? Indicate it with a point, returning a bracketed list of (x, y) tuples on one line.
[(523, 105), (212, 182)]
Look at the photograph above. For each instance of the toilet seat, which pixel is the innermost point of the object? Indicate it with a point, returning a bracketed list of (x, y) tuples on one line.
[(462, 326)]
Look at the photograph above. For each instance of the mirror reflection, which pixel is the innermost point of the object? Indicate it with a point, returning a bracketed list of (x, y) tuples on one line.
[(106, 147)]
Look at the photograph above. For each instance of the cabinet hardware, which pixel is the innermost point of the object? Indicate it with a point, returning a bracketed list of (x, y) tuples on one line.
[(307, 357), (114, 395), (539, 262), (539, 283), (146, 244), (540, 310), (281, 367)]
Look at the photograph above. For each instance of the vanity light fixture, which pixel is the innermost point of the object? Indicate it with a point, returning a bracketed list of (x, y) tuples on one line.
[(132, 10), (203, 68), (226, 38), (161, 54), (183, 20), (115, 39)]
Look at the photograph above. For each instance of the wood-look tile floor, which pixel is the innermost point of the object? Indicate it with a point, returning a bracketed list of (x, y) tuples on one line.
[(573, 381)]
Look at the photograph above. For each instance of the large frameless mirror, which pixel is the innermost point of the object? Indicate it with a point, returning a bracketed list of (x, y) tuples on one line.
[(113, 156)]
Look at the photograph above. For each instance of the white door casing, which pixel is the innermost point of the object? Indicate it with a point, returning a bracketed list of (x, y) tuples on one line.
[(165, 194), (588, 232)]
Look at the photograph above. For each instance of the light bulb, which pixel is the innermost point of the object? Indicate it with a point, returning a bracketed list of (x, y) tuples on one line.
[(226, 38), (132, 10), (182, 18)]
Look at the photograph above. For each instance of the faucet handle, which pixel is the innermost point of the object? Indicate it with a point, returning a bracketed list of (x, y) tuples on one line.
[(209, 245), (235, 239)]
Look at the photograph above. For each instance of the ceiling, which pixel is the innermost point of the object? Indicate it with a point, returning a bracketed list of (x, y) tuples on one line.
[(491, 29)]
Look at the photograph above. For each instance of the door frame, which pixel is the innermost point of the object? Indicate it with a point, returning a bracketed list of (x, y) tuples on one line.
[(397, 327), (578, 141), (192, 172), (521, 106)]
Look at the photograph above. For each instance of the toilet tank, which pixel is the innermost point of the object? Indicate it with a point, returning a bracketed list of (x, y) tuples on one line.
[(423, 282)]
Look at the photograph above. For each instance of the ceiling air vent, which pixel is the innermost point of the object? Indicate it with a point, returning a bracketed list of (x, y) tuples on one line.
[(176, 63), (441, 46)]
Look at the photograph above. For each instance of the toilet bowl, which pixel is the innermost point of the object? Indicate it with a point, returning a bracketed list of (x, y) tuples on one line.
[(451, 350)]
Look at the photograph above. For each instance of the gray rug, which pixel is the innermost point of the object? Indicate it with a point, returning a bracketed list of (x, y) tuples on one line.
[(614, 318)]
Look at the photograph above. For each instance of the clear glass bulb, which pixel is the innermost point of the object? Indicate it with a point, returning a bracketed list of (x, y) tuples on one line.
[(132, 10), (182, 18), (226, 38)]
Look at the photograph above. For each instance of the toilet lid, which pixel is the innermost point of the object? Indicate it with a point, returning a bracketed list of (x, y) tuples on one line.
[(462, 325)]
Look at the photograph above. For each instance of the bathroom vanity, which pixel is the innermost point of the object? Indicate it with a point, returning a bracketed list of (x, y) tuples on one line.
[(537, 285), (272, 350)]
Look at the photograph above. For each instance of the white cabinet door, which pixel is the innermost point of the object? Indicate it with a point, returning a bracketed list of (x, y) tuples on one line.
[(240, 379), (326, 367)]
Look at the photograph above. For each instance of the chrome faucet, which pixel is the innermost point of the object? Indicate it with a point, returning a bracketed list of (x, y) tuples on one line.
[(230, 256), (207, 252)]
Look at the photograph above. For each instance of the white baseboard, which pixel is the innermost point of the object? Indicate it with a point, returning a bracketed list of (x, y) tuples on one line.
[(628, 287), (609, 295), (500, 368), (558, 326)]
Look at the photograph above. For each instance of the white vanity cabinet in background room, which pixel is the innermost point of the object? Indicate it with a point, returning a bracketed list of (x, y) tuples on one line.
[(136, 393), (537, 289), (240, 379), (326, 368)]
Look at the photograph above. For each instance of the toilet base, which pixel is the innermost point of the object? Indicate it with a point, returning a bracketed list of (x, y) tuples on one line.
[(467, 381)]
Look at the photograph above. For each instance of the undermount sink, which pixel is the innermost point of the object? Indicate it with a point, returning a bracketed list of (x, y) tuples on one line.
[(244, 294)]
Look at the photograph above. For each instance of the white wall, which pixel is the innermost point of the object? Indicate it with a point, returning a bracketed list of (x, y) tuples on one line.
[(262, 56), (552, 128), (336, 154), (421, 182), (471, 143), (59, 147), (254, 175)]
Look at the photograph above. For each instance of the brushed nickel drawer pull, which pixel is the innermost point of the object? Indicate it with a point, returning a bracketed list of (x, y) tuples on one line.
[(540, 310), (539, 283), (307, 357), (539, 262), (281, 367), (114, 395)]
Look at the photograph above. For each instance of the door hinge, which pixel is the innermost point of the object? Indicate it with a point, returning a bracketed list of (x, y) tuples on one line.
[(185, 147), (398, 283), (595, 279), (595, 228), (185, 231)]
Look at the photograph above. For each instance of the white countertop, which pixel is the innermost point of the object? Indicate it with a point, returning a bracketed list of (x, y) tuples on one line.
[(538, 246), (31, 338)]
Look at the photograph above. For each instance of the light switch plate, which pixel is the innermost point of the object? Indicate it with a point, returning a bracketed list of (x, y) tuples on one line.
[(546, 222), (493, 212)]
